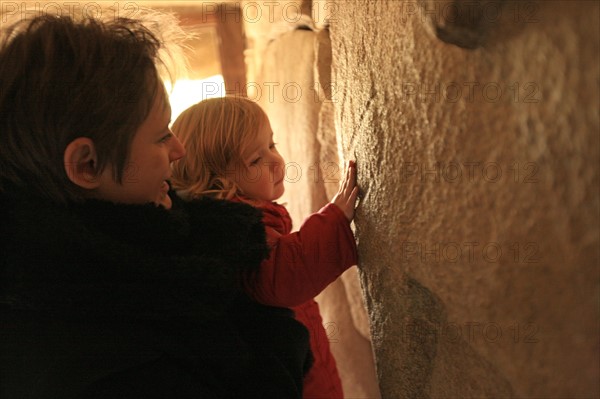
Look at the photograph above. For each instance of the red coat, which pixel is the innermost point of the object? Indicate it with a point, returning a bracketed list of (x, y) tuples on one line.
[(300, 266)]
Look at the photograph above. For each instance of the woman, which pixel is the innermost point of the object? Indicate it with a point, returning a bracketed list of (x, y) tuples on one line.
[(109, 287)]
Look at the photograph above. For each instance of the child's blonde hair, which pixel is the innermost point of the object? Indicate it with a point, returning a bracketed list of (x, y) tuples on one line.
[(217, 134)]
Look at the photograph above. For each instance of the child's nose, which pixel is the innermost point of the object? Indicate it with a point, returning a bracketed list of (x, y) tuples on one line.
[(277, 164), (277, 168)]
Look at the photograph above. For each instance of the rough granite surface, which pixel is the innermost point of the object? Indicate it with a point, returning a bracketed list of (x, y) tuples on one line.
[(479, 223)]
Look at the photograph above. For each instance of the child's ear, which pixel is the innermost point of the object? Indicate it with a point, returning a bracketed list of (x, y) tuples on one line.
[(80, 163)]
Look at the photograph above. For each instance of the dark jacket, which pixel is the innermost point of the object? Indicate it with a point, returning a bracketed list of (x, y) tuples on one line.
[(99, 300)]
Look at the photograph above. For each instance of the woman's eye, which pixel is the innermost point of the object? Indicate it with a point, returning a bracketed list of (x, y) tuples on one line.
[(272, 146), (166, 138), (256, 161)]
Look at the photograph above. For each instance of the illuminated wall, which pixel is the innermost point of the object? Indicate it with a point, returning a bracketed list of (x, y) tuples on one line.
[(479, 226)]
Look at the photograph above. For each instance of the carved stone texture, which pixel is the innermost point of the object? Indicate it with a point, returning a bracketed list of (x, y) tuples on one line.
[(482, 282), (465, 23)]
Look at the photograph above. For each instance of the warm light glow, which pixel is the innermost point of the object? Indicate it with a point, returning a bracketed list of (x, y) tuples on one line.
[(188, 92)]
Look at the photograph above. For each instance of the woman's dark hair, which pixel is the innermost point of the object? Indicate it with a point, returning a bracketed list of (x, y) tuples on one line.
[(61, 79)]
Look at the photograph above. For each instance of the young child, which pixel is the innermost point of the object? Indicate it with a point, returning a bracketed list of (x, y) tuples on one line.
[(231, 155)]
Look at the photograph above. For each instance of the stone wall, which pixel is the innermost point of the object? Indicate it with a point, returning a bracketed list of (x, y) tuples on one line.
[(478, 227)]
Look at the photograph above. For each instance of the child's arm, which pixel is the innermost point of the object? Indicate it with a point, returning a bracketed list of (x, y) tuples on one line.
[(303, 263)]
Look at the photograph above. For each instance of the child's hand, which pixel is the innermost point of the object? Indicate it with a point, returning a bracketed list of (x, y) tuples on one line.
[(345, 198)]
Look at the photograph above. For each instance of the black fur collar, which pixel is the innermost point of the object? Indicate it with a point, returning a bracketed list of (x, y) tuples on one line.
[(108, 260)]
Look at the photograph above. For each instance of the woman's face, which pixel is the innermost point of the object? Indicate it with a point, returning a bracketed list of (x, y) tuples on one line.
[(153, 148)]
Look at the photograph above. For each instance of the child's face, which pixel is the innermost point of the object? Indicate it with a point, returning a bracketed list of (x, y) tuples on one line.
[(153, 148), (261, 175)]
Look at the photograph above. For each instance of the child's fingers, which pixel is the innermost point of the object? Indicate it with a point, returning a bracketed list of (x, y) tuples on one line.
[(348, 191), (355, 192), (344, 183), (348, 174), (352, 167), (353, 197), (351, 174), (350, 204), (348, 182)]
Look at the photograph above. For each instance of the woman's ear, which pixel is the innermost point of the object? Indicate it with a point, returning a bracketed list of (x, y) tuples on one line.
[(80, 163)]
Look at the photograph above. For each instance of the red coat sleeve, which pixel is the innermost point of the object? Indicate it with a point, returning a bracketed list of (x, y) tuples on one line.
[(303, 263)]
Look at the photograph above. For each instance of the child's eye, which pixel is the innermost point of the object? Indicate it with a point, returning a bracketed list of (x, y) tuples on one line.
[(256, 161)]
